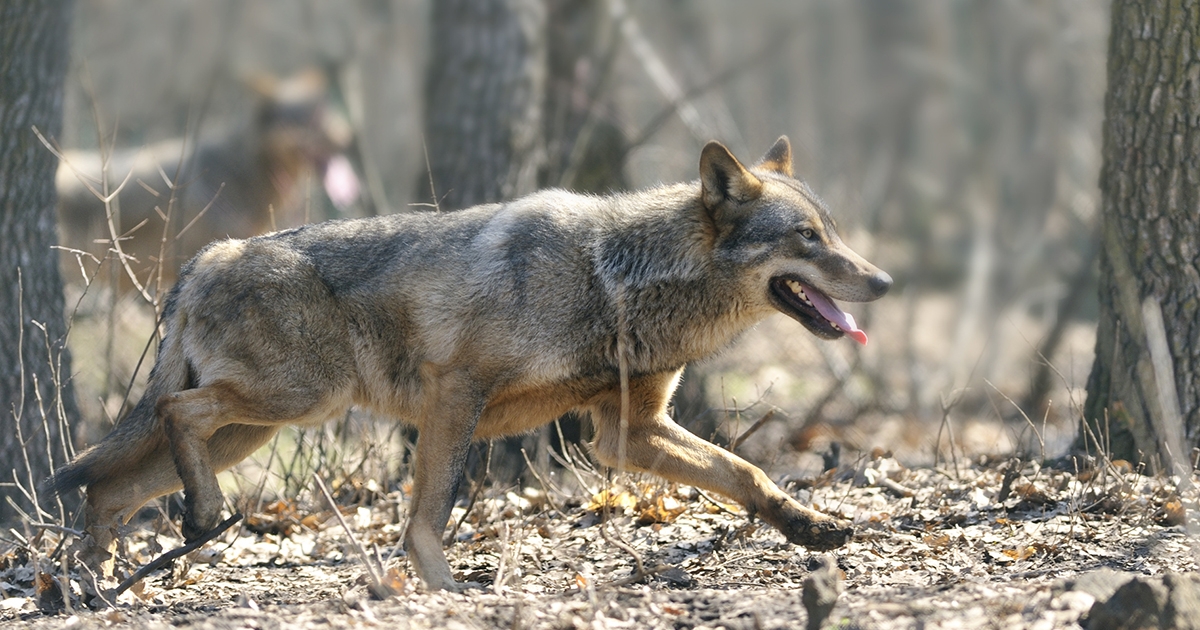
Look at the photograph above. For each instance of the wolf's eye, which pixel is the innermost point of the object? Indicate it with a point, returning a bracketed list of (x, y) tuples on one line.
[(807, 233)]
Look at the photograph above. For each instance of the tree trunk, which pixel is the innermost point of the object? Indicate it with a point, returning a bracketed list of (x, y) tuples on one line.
[(1143, 395), (585, 147), (483, 100), (515, 100), (35, 368)]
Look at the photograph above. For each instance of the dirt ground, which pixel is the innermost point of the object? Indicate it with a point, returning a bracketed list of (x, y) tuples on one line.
[(996, 544)]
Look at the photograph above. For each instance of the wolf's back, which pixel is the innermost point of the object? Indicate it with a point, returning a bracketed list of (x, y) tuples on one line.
[(139, 433)]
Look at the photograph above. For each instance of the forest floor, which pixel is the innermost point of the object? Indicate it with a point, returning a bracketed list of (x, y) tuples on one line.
[(977, 542), (982, 544)]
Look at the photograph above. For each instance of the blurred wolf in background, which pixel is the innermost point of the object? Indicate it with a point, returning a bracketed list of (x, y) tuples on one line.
[(239, 183), (480, 323)]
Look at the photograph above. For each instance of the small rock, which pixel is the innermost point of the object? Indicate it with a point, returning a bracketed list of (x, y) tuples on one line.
[(820, 592), (1137, 605), (677, 577), (16, 603), (1100, 584), (1182, 609), (1172, 602)]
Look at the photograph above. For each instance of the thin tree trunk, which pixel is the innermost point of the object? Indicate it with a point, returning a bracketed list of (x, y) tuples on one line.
[(1150, 187), (483, 100), (516, 100), (585, 147), (484, 124), (35, 368)]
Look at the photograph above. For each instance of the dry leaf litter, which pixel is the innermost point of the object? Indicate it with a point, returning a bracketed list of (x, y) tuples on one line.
[(993, 544)]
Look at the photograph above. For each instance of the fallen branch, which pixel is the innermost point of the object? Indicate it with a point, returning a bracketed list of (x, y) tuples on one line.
[(900, 491), (378, 587), (736, 442), (58, 528), (637, 576), (169, 556)]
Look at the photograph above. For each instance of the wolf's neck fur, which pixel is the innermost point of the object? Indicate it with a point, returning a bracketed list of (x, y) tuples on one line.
[(664, 281)]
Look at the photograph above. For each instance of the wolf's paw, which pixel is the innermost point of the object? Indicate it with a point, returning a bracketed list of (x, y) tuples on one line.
[(822, 535), (201, 513), (806, 527), (193, 528)]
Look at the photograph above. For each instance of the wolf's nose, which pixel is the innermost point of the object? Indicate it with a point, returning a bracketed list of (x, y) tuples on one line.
[(880, 283)]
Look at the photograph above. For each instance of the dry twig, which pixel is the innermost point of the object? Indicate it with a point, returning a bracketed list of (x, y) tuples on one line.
[(169, 556), (378, 586)]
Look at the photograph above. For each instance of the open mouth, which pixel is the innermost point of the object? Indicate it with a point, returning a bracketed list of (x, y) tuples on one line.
[(815, 310)]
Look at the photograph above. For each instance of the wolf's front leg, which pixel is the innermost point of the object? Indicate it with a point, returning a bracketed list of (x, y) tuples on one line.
[(652, 442), (443, 440)]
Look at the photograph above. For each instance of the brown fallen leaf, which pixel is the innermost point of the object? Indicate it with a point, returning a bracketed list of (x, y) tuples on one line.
[(278, 517), (1028, 551), (1171, 513), (49, 593), (1033, 494), (139, 589), (608, 499), (662, 509), (937, 541)]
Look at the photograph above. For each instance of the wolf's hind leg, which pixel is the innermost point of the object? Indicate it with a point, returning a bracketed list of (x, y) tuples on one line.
[(652, 442), (190, 418)]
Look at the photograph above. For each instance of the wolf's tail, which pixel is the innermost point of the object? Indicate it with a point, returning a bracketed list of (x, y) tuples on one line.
[(139, 435)]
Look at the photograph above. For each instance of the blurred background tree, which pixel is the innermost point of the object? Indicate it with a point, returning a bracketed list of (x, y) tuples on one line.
[(514, 102), (484, 97), (36, 391), (1144, 390)]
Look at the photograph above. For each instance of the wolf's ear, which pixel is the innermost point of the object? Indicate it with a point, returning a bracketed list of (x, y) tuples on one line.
[(724, 178), (306, 85), (778, 158), (262, 84)]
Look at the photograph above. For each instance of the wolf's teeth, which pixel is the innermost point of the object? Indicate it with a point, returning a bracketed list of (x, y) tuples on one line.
[(799, 291), (835, 326)]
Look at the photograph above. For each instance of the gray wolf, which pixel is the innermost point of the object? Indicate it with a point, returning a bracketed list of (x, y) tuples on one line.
[(480, 323), (234, 183)]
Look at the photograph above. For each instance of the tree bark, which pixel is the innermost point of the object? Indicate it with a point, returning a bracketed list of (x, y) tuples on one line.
[(515, 100), (1143, 395), (585, 147), (483, 100), (35, 367)]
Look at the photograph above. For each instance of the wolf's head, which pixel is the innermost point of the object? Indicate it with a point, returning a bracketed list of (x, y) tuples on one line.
[(302, 131), (783, 242)]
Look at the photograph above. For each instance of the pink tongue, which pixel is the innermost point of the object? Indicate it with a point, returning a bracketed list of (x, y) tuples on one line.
[(830, 311)]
